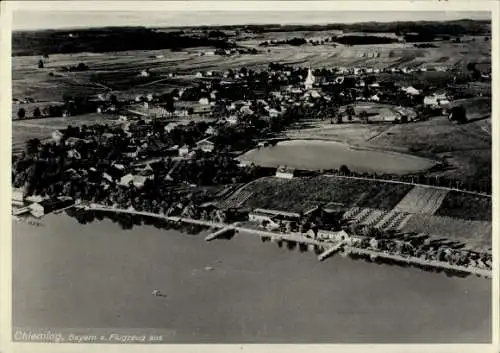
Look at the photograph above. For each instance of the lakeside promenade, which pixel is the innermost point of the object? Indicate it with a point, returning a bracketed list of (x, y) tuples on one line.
[(298, 239)]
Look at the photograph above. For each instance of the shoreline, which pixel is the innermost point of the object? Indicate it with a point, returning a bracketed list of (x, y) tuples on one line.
[(299, 239)]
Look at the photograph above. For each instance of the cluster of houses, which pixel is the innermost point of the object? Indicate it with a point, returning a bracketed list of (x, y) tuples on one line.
[(295, 87), (274, 220), (280, 221), (135, 166), (305, 92), (37, 206)]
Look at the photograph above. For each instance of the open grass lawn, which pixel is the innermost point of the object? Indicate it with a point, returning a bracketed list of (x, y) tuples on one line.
[(466, 206)]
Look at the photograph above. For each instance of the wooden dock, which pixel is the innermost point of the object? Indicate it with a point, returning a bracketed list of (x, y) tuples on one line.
[(219, 233), (329, 252)]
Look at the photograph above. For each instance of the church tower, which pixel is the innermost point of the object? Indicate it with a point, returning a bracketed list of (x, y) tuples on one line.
[(309, 80)]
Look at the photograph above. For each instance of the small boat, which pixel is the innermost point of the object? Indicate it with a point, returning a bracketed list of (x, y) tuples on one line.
[(157, 293)]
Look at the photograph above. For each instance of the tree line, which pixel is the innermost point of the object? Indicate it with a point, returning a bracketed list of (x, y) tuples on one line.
[(108, 40)]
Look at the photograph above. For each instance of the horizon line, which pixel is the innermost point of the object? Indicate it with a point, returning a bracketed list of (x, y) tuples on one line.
[(298, 24)]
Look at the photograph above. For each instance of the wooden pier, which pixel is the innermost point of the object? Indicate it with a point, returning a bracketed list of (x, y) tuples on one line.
[(219, 233), (329, 252)]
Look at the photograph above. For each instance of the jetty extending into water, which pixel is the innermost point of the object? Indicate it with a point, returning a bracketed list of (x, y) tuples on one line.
[(330, 251), (331, 247)]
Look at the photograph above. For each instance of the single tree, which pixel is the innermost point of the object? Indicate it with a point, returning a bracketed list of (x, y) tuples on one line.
[(458, 114), (350, 112), (471, 66), (113, 99), (32, 146), (364, 116), (37, 113), (82, 67), (40, 64), (343, 170), (21, 113)]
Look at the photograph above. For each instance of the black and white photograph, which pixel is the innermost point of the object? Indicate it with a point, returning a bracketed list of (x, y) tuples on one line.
[(251, 176)]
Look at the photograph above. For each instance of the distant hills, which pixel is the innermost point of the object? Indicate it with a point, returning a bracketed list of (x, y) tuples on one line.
[(456, 27), (110, 39)]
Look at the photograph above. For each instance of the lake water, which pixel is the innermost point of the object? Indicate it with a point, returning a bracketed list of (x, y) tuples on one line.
[(97, 275), (314, 154)]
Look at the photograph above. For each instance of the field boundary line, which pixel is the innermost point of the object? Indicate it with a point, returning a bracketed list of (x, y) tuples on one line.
[(408, 183)]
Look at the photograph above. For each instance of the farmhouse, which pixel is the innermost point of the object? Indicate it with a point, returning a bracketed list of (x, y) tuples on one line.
[(205, 145), (436, 100), (204, 101), (411, 90), (272, 218), (334, 236), (211, 131), (72, 153), (57, 135), (233, 119), (312, 94), (273, 113), (136, 180), (184, 151), (131, 152)]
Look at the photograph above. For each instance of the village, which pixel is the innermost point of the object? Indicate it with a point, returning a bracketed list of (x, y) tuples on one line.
[(175, 154), (238, 176)]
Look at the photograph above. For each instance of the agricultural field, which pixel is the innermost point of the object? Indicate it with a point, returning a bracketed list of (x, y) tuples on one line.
[(466, 206), (119, 70), (41, 129), (422, 200), (291, 195), (38, 84), (466, 148), (461, 217), (476, 235)]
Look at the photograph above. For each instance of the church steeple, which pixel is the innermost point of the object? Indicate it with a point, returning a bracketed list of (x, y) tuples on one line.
[(309, 80)]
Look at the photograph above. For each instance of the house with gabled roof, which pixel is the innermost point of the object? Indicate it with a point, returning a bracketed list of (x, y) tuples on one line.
[(205, 145)]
